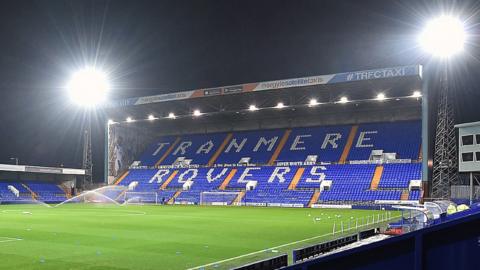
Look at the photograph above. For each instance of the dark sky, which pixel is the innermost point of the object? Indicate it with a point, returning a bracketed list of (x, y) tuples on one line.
[(150, 47)]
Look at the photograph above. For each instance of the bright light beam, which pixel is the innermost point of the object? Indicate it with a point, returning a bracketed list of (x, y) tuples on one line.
[(88, 87), (443, 36)]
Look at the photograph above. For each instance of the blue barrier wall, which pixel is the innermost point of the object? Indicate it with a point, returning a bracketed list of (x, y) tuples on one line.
[(451, 245)]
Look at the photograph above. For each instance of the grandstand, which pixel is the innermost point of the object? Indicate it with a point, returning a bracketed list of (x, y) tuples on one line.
[(34, 184), (315, 151)]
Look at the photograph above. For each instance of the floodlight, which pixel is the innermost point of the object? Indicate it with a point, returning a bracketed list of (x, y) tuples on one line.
[(443, 36), (196, 113), (171, 115), (343, 100), (151, 117), (252, 108), (381, 96), (280, 105), (88, 87), (313, 102), (110, 122), (416, 94), (129, 119)]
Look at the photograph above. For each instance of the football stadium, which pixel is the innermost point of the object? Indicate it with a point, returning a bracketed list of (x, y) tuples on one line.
[(331, 171)]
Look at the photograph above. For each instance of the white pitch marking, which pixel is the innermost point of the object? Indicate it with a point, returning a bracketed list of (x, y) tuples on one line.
[(4, 239), (260, 251), (263, 250)]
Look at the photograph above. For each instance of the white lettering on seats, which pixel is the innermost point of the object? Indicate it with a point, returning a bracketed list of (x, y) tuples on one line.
[(362, 138), (238, 147), (182, 147), (160, 147), (183, 179), (205, 148), (264, 141), (331, 138), (216, 177), (279, 172), (246, 173), (315, 172), (159, 176), (297, 141)]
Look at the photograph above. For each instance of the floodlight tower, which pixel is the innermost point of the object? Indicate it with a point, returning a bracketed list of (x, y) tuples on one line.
[(88, 88), (443, 38)]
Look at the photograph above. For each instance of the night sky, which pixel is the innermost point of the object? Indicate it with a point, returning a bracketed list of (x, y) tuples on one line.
[(151, 47)]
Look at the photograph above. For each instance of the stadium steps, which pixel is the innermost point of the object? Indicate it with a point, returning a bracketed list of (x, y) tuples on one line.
[(239, 198), (169, 179), (348, 145), (220, 149), (34, 195), (420, 153), (172, 200), (120, 195), (65, 190), (404, 196), (227, 180), (169, 150), (280, 146), (376, 177), (296, 178), (314, 198), (120, 179)]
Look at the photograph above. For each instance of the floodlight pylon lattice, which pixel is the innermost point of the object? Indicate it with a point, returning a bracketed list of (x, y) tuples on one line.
[(445, 162), (87, 163)]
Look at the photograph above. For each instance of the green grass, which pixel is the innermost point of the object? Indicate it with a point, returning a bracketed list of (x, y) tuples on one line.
[(80, 236)]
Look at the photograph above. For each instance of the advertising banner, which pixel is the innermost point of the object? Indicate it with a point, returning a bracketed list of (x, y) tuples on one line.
[(124, 145)]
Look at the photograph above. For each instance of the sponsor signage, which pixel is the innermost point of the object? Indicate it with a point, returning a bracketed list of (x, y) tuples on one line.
[(395, 202), (336, 206), (373, 74), (36, 169), (233, 89), (212, 91)]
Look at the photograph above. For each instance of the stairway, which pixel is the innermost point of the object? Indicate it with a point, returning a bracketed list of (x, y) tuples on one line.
[(172, 200), (376, 177), (120, 195), (120, 179), (239, 198), (66, 191), (169, 179), (280, 146), (169, 150), (348, 145), (220, 149), (296, 178), (314, 198), (33, 194), (227, 180)]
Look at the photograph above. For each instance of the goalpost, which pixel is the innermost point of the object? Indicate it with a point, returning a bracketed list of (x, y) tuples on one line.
[(220, 197), (133, 197)]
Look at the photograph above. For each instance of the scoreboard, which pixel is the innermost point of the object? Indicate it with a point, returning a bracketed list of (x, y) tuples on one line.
[(469, 147)]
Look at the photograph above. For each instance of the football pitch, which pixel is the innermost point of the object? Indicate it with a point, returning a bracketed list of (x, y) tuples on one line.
[(86, 236)]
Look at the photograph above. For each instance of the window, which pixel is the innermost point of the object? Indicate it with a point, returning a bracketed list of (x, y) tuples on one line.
[(467, 140), (478, 138), (478, 156), (467, 157)]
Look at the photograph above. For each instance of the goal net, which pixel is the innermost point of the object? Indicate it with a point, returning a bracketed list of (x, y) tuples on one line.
[(132, 197), (220, 197)]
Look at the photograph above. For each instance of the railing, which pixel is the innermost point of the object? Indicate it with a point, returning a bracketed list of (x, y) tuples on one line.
[(362, 224)]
